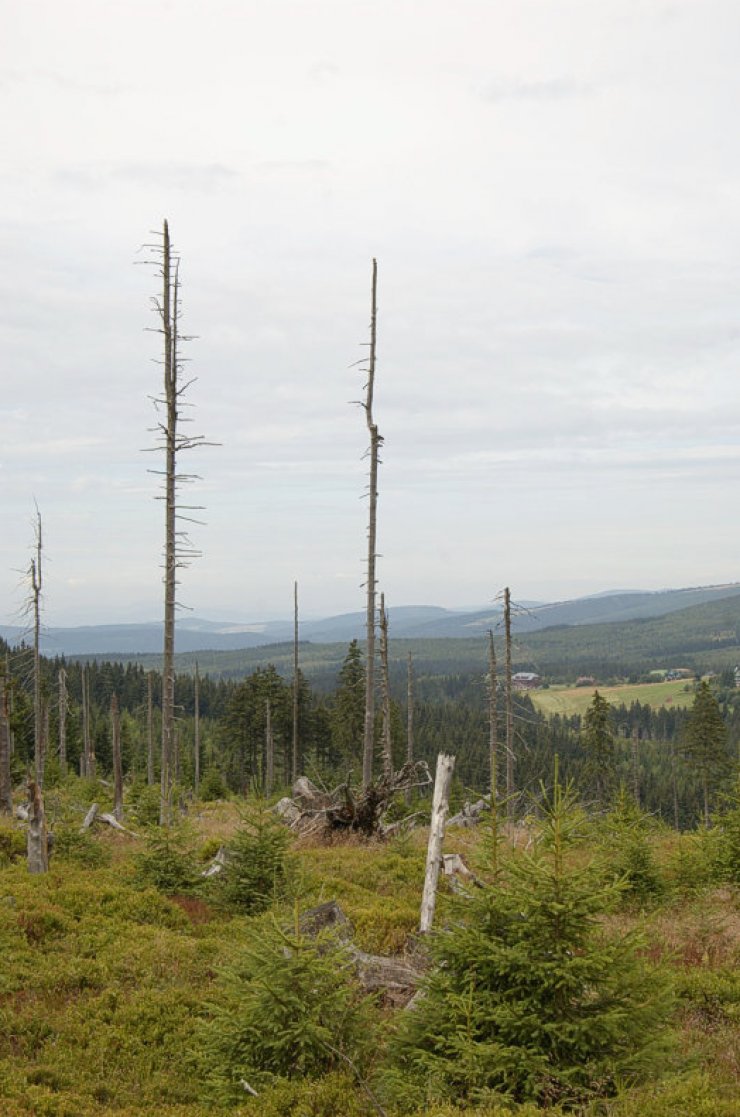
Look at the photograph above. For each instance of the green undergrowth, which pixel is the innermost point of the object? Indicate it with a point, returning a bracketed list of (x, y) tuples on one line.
[(111, 977)]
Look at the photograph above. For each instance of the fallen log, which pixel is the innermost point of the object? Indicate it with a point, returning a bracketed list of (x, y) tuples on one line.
[(89, 817), (470, 814)]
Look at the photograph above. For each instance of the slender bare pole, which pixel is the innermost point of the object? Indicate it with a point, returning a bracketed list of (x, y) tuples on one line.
[(6, 783), (492, 718), (115, 726), (36, 579), (196, 730), (509, 711), (387, 743), (375, 443), (269, 750), (149, 728), (636, 764), (295, 683), (170, 555), (63, 706), (409, 715)]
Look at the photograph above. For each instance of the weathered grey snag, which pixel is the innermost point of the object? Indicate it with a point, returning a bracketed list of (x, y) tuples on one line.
[(63, 706), (295, 765), (178, 549), (196, 730), (492, 716), (509, 711), (636, 764), (149, 730), (37, 844), (115, 728), (269, 750), (409, 715), (6, 783), (440, 805), (375, 444), (386, 742), (36, 584)]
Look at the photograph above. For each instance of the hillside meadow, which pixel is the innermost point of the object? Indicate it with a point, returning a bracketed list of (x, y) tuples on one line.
[(114, 964), (575, 700)]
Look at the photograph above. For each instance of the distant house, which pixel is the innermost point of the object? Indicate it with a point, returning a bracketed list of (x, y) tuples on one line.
[(525, 680)]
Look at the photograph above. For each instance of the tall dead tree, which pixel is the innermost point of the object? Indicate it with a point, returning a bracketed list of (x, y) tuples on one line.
[(196, 730), (6, 783), (63, 707), (492, 718), (178, 549), (115, 731), (509, 700), (87, 760), (386, 743), (376, 442), (149, 729), (35, 581), (409, 714), (295, 764), (269, 750)]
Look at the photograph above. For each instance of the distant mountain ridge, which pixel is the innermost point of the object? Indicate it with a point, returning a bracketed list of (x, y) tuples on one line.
[(406, 622)]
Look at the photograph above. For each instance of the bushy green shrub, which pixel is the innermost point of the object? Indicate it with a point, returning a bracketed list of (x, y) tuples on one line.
[(212, 786), (255, 872), (288, 1007), (168, 861), (726, 845), (79, 848), (624, 836), (12, 843), (143, 801), (529, 998)]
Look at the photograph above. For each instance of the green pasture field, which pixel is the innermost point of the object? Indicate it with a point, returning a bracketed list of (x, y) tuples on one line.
[(575, 700)]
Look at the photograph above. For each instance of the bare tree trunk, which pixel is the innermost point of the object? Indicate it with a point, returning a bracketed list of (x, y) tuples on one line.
[(149, 729), (636, 764), (387, 743), (269, 750), (196, 731), (375, 443), (440, 804), (509, 711), (115, 729), (37, 844), (170, 555), (674, 783), (409, 715), (295, 765), (492, 719), (63, 706), (36, 579), (6, 783)]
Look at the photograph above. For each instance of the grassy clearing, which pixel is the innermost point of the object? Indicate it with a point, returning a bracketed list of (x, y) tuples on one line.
[(103, 982), (575, 700)]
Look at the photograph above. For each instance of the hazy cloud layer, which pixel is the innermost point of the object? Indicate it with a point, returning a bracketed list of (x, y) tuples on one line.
[(552, 194)]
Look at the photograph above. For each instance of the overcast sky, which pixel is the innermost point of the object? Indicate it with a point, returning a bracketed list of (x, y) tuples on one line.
[(552, 191)]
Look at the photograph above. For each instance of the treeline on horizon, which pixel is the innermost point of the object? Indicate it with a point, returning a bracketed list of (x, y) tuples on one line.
[(450, 714)]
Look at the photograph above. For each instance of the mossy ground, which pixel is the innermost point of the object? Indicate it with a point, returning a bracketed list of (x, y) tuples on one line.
[(103, 982)]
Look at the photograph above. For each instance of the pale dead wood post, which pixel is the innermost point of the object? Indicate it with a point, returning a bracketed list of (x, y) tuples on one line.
[(269, 750), (509, 711), (409, 715), (149, 729), (37, 844), (375, 443), (295, 764), (636, 764), (492, 718), (440, 804), (6, 783), (386, 742), (196, 730), (115, 727), (63, 707)]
